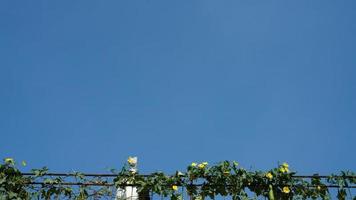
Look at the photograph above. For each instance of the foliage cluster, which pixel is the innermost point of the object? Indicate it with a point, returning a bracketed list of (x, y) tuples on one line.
[(15, 186), (200, 181), (228, 179)]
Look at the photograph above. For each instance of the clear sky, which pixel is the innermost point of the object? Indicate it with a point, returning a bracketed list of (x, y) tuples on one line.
[(85, 84)]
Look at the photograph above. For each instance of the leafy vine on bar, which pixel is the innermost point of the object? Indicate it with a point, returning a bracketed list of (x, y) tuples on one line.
[(200, 180)]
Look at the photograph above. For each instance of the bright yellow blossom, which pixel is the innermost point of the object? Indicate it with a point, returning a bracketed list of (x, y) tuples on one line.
[(318, 187), (201, 166), (269, 175), (282, 169), (175, 188), (193, 164), (285, 165), (286, 190)]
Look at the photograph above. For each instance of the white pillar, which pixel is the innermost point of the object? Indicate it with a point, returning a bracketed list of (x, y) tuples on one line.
[(130, 192)]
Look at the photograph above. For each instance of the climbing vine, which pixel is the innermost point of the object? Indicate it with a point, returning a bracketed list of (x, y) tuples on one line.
[(200, 181)]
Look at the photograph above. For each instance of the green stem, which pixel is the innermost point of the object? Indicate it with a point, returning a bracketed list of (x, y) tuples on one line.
[(270, 193)]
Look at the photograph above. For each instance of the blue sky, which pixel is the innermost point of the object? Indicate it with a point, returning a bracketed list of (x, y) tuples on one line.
[(85, 84)]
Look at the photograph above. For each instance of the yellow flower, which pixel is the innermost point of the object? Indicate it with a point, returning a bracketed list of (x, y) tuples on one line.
[(286, 190), (318, 187), (132, 160), (201, 166), (285, 165), (175, 188), (193, 164), (282, 169), (226, 173), (269, 175), (9, 161)]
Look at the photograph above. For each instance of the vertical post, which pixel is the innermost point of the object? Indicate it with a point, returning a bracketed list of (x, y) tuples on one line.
[(130, 192)]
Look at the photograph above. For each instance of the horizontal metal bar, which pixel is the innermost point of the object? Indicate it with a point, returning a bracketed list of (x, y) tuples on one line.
[(147, 175), (124, 185), (72, 174)]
